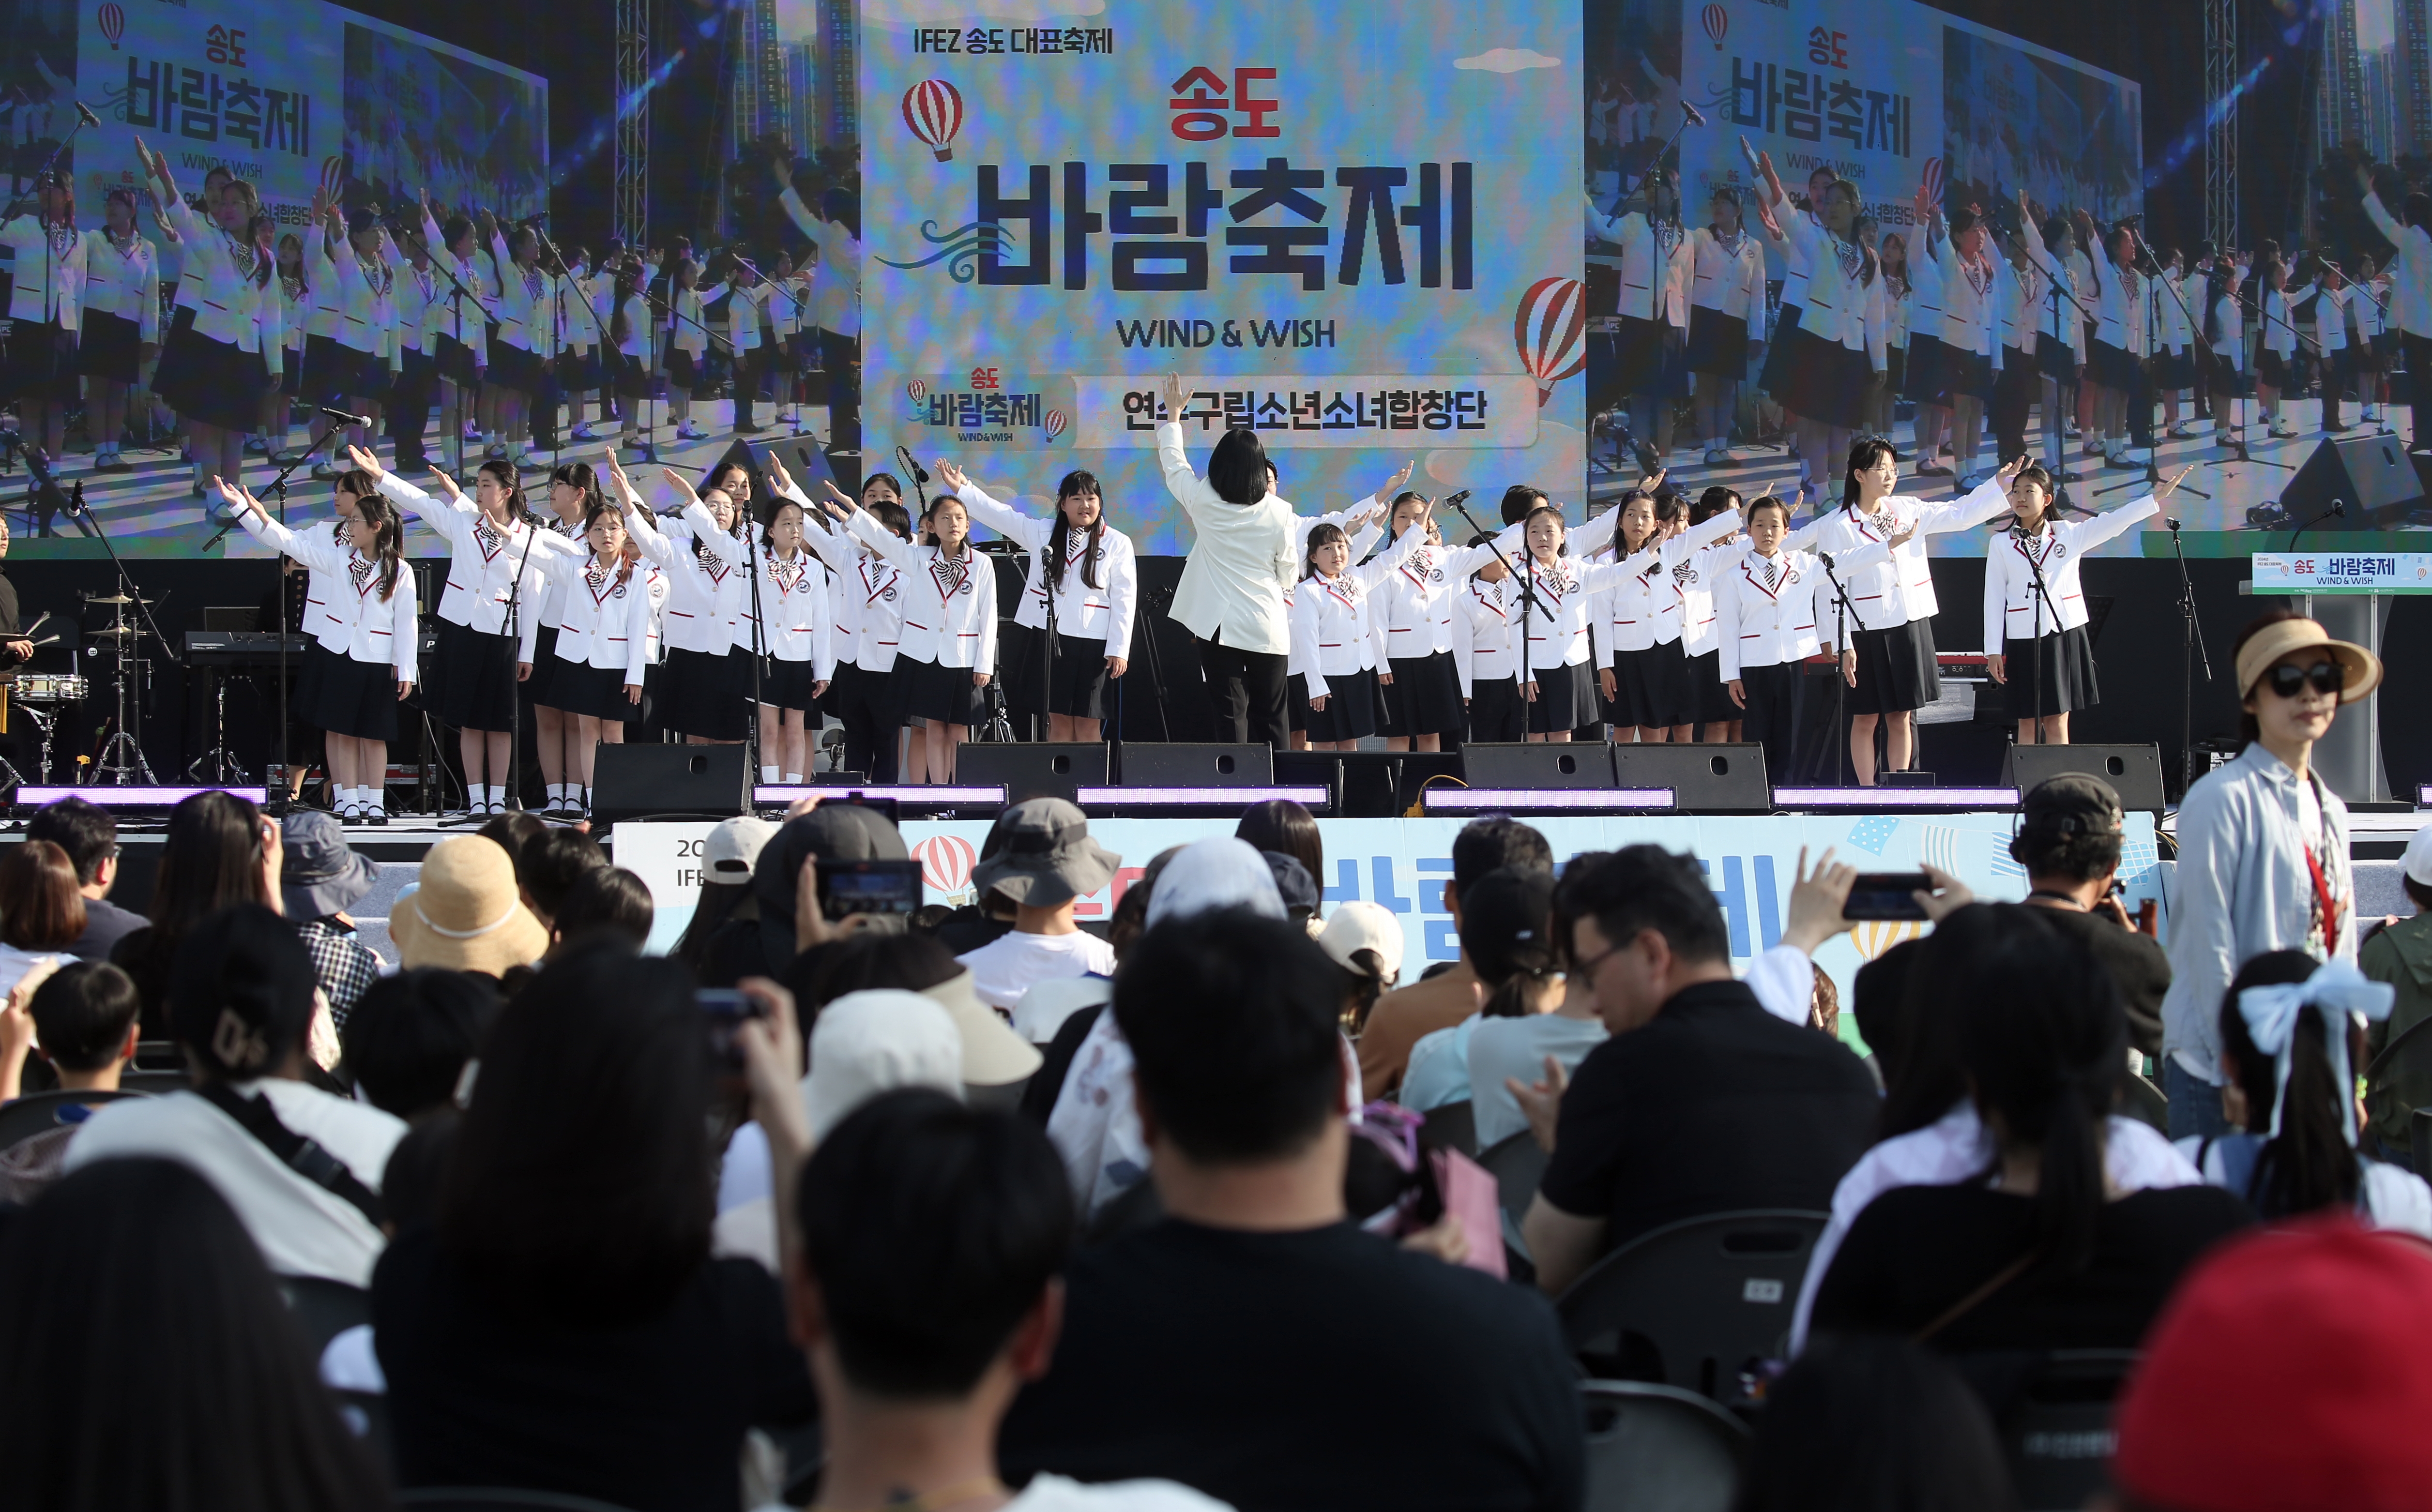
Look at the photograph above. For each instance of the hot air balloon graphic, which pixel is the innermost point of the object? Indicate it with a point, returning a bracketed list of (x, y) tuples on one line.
[(334, 175), (113, 24), (1875, 937), (1550, 330), (1718, 25), (945, 863), (917, 390), (1056, 423), (1933, 180), (933, 110)]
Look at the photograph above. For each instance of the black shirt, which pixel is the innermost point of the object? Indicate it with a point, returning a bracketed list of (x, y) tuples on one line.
[(2136, 963), (648, 1415), (1323, 1369), (105, 924), (1711, 1106), (1917, 1250)]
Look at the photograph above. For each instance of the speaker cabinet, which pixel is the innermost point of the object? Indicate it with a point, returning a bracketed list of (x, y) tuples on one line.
[(640, 782), (2370, 476), (1575, 764), (2133, 771), (1033, 770), (1184, 765), (1718, 779)]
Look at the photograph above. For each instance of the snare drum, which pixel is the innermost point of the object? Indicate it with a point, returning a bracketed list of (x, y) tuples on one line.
[(50, 687)]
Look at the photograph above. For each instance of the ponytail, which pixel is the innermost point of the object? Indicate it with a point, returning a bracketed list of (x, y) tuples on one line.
[(388, 540), (2308, 1166)]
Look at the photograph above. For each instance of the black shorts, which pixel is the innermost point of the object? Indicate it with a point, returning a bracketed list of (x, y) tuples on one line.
[(1896, 669), (1424, 697)]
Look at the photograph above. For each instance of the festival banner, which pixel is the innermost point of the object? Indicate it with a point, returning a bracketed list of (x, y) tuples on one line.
[(1352, 226)]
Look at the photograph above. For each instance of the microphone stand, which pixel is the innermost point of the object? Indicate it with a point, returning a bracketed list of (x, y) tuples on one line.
[(1528, 581), (91, 522), (2191, 648), (279, 803), (2337, 507), (1843, 612), (2035, 572), (778, 284)]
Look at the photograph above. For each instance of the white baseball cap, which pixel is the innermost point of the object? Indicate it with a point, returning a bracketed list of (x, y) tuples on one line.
[(734, 849), (2417, 863), (866, 1043), (1363, 926)]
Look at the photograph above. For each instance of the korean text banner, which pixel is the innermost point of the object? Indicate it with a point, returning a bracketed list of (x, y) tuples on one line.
[(295, 96), (1351, 228), (1888, 95)]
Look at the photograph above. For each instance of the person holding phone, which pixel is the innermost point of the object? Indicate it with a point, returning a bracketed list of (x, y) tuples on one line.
[(2263, 850)]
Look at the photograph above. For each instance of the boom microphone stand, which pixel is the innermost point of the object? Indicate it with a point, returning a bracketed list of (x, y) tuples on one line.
[(1527, 580), (1843, 612), (2191, 648)]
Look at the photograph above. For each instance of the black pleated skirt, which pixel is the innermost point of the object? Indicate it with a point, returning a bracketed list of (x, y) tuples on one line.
[(1928, 381), (475, 678), (40, 364), (1651, 686), (787, 684), (214, 383), (1786, 335), (540, 685), (708, 696), (2055, 359), (1896, 669), (353, 697), (1424, 697), (941, 694), (2068, 677), (1566, 698), (1350, 710), (1828, 382), (1076, 686), (1497, 711), (1708, 701), (1717, 343), (580, 688), (110, 347)]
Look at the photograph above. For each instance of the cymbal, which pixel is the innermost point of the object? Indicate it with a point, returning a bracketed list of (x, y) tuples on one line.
[(115, 598), (111, 632)]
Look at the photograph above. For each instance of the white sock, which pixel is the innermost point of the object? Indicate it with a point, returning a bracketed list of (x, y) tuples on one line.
[(485, 796), (767, 773), (375, 801), (793, 779), (556, 794)]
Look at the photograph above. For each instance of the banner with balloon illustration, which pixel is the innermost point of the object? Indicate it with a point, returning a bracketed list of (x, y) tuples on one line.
[(1352, 228), (1403, 864), (299, 96), (1888, 93)]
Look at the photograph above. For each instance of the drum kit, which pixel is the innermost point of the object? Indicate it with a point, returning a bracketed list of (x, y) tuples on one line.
[(42, 696)]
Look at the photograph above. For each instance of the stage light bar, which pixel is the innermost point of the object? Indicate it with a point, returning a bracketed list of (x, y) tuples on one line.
[(1546, 799), (2424, 797), (1896, 797), (1314, 795), (773, 795), (130, 798)]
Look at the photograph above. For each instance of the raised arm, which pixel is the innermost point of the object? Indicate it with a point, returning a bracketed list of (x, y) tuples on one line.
[(894, 549), (729, 552), (1030, 534), (314, 548), (1990, 498), (640, 522)]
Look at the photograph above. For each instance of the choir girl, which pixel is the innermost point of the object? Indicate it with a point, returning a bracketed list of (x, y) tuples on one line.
[(1769, 605), (1726, 317), (1656, 263), (574, 493), (800, 639), (948, 653), (1832, 362), (1486, 650), (705, 689), (221, 374), (869, 600), (602, 649), (1338, 643), (120, 323)]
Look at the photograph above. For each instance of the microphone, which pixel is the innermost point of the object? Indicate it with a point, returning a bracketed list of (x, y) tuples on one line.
[(350, 419), (1826, 558), (2172, 523), (1695, 116), (918, 473), (84, 112), (2340, 508), (1454, 502)]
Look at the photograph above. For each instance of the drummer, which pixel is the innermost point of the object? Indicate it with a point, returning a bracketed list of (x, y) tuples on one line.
[(16, 649)]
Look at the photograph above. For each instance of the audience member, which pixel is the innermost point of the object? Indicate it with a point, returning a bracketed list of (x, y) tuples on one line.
[(766, 931), (875, 1041), (1095, 1120), (605, 899), (1824, 1009), (410, 1037), (547, 866), (726, 860), (1262, 1390), (1047, 865), (2400, 955), (1061, 1014), (1365, 940), (1284, 827), (42, 913), (300, 1166), (2070, 831), (322, 879), (88, 833), (2292, 1368), (147, 1359), (84, 1020), (1862, 1423), (562, 1326), (1297, 888), (996, 1060), (2041, 1251), (1507, 939), (2284, 1031), (1701, 1101), (1402, 1017), (509, 831), (467, 915), (926, 1294), (2263, 848), (219, 850), (989, 915)]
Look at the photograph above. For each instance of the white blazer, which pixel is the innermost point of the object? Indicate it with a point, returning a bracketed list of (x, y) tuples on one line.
[(1924, 296), (321, 605), (1083, 612), (1969, 307), (460, 315), (125, 284), (1643, 608), (2411, 309), (525, 318), (2122, 308), (949, 609), (1557, 631), (1335, 631), (2012, 610), (1657, 264), (1768, 624), (1728, 276), (483, 562), (378, 631), (416, 294), (867, 595), (1487, 628), (47, 275), (218, 265), (607, 622), (552, 598), (1361, 544), (794, 600), (706, 588), (1235, 579), (1887, 592), (367, 302)]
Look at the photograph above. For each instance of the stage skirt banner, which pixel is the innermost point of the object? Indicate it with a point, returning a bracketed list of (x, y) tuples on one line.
[(1352, 227), (298, 96), (1888, 95), (2344, 572), (1402, 864)]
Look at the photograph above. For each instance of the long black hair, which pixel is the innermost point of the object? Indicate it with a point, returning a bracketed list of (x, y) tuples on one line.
[(1319, 536), (1077, 484), (518, 507), (388, 535), (1237, 468), (1507, 929), (147, 1359), (1870, 1420), (2309, 1166), (1863, 453), (1286, 827), (2043, 1042)]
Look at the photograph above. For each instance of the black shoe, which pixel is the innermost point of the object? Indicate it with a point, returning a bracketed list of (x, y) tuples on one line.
[(752, 429)]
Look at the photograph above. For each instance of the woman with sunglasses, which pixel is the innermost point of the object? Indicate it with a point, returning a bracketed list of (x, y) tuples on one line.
[(2263, 850)]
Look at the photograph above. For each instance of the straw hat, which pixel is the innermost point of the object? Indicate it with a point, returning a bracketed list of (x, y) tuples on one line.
[(2280, 637), (467, 915)]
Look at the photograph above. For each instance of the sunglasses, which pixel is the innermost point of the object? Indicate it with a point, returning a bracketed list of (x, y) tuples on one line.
[(2286, 682)]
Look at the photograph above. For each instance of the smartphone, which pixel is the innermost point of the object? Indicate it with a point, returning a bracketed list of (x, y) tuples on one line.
[(886, 887), (1886, 894), (722, 1011)]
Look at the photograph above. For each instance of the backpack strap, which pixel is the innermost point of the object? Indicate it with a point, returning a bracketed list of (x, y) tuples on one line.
[(303, 1156)]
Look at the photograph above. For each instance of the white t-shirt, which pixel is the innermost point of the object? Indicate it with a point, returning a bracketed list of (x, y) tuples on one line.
[(303, 1229), (1054, 1493), (1008, 966), (1044, 1008)]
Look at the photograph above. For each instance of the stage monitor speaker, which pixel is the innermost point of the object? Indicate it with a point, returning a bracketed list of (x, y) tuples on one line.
[(1717, 779), (639, 781), (1156, 763), (1519, 766), (1032, 769), (2133, 771), (2370, 476)]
